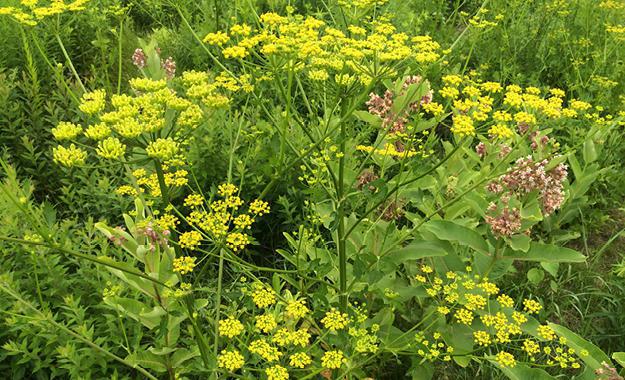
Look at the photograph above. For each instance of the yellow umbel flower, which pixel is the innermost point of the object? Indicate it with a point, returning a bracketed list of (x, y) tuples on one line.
[(236, 241), (299, 360), (505, 359), (66, 131), (296, 309), (505, 300), (266, 323), (147, 84), (194, 200), (531, 347), (500, 131), (481, 338), (546, 332), (277, 372), (111, 148), (335, 320), (98, 131), (464, 316), (230, 327), (333, 359), (263, 296), (463, 126), (163, 149), (531, 306), (218, 38), (93, 102), (265, 350), (230, 360), (243, 221), (259, 207), (184, 265), (226, 190), (190, 240), (69, 157)]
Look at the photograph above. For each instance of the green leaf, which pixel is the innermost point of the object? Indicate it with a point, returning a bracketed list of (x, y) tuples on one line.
[(619, 357), (520, 242), (550, 254), (415, 250), (589, 152), (522, 372), (447, 230), (535, 275), (368, 118), (551, 268), (595, 356)]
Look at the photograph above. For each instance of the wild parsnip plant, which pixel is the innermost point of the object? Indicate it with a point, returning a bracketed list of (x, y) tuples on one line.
[(325, 189)]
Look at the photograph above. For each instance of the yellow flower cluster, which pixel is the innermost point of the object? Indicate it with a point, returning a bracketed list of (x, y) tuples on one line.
[(230, 327), (285, 337), (277, 372), (389, 150), (335, 320), (333, 359), (266, 351), (230, 360), (111, 148), (263, 296), (184, 264), (297, 309), (476, 302), (311, 45), (32, 11), (299, 360), (190, 239), (222, 218), (475, 102), (266, 323), (93, 102), (69, 157), (66, 131), (150, 182), (433, 350)]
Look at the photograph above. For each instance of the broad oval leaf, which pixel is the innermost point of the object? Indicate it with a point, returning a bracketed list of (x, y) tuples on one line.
[(447, 230), (549, 253)]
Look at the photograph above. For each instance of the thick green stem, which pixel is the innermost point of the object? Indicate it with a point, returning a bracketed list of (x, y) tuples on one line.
[(340, 196), (161, 183)]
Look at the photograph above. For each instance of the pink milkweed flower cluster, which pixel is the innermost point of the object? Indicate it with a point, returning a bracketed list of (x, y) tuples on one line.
[(139, 59), (383, 106), (524, 177), (154, 237), (169, 65)]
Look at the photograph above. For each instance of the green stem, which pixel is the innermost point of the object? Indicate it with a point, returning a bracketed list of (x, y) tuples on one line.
[(119, 56), (161, 183), (218, 300), (69, 61), (340, 196)]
